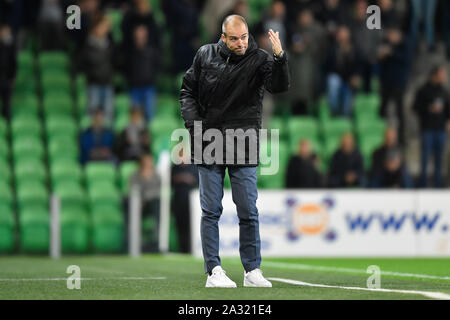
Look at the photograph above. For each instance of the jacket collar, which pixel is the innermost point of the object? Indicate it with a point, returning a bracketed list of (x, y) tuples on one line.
[(225, 52)]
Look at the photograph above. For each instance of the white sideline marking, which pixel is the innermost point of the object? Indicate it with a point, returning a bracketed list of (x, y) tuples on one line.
[(349, 270), (64, 279), (429, 294)]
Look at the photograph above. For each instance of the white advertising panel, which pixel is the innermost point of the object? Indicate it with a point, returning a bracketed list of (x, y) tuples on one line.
[(338, 223)]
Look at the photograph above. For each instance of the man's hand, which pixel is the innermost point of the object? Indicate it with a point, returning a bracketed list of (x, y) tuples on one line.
[(276, 44)]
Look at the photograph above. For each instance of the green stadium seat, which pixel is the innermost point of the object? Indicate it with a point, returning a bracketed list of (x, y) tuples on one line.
[(115, 17), (6, 196), (122, 104), (100, 172), (28, 147), (366, 106), (107, 229), (34, 229), (63, 147), (30, 169), (32, 192), (373, 127), (226, 181), (167, 105), (25, 104), (126, 170), (121, 122), (25, 60), (163, 126), (4, 149), (53, 60), (279, 123), (56, 82), (66, 171), (24, 124), (74, 230), (7, 229), (57, 103), (61, 125), (70, 193), (5, 171), (3, 128), (103, 193)]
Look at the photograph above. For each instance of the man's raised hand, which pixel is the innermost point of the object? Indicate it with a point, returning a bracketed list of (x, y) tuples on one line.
[(274, 38)]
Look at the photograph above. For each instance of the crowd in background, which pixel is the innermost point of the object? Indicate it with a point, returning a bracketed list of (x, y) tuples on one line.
[(331, 53)]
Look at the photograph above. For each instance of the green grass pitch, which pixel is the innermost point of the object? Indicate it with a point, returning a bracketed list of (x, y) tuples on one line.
[(174, 276)]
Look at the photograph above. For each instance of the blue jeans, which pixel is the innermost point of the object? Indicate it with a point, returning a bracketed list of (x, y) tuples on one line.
[(339, 95), (101, 97), (144, 96), (433, 142), (244, 193)]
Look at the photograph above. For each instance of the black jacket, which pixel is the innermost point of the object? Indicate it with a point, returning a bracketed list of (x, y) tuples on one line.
[(142, 66), (225, 91), (302, 173), (425, 97)]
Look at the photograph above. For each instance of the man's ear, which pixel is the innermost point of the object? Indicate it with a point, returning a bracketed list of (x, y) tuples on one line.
[(223, 37)]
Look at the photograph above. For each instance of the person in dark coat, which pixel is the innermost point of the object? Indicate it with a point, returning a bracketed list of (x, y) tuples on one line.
[(184, 179), (379, 155), (8, 67), (346, 166), (134, 141), (394, 61), (142, 68), (302, 169), (342, 71), (98, 65), (97, 141), (393, 173), (140, 15), (432, 105), (223, 90)]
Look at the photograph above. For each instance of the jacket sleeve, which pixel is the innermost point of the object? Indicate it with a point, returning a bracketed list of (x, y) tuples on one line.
[(275, 74), (190, 109)]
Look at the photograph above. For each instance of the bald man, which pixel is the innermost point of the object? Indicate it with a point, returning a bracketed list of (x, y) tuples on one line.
[(223, 90)]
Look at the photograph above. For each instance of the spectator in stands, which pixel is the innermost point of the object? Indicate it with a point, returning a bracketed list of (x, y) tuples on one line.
[(393, 173), (51, 24), (8, 67), (394, 60), (90, 11), (302, 169), (273, 19), (346, 165), (379, 155), (423, 11), (142, 66), (333, 14), (184, 179), (148, 182), (134, 140), (342, 73), (366, 42), (433, 109), (97, 141), (306, 46), (183, 16), (97, 63), (140, 15)]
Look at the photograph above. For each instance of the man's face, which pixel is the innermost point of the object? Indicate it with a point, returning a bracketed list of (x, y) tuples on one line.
[(236, 38)]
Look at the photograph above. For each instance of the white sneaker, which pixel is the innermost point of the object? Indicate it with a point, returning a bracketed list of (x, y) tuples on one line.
[(255, 278), (219, 279)]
